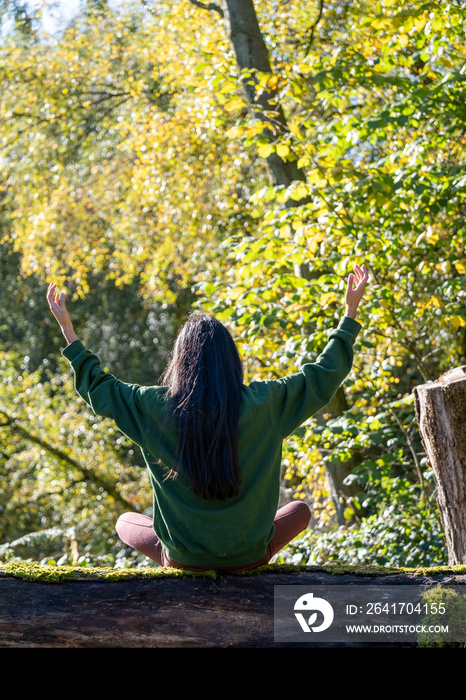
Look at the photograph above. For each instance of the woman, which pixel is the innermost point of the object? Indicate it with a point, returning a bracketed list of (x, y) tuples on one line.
[(212, 444)]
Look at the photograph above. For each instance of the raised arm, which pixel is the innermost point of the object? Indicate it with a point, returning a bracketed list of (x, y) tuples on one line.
[(105, 394), (299, 396)]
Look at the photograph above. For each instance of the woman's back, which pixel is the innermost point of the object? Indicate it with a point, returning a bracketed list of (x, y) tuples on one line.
[(212, 445), (193, 529)]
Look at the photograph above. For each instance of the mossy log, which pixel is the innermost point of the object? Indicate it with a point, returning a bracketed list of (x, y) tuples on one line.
[(441, 416), (65, 607)]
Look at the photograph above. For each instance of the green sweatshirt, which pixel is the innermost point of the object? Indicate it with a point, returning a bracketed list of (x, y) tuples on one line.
[(235, 531)]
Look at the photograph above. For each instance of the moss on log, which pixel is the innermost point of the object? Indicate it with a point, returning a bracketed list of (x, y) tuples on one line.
[(164, 608)]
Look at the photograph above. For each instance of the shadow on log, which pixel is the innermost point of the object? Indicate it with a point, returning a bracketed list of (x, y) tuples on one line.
[(441, 416), (62, 607)]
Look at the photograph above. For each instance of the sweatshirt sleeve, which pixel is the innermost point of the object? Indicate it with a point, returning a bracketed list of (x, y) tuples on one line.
[(106, 395), (298, 396)]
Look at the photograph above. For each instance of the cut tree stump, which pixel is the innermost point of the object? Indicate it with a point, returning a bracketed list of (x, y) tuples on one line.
[(62, 607), (441, 415)]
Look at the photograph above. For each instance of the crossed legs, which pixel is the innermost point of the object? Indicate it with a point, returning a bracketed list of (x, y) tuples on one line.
[(136, 531)]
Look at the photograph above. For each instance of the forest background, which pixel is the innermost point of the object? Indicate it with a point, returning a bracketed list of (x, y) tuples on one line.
[(165, 156)]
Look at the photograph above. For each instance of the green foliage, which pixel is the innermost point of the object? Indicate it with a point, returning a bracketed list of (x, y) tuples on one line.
[(392, 519), (114, 123), (62, 467), (453, 619), (406, 538), (134, 172)]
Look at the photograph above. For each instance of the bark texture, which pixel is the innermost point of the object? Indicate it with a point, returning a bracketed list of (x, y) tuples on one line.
[(167, 611), (441, 416)]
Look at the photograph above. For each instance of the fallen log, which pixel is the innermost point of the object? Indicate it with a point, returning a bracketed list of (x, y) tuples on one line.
[(441, 415), (62, 607)]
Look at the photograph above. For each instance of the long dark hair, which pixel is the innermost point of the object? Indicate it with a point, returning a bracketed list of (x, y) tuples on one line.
[(204, 379)]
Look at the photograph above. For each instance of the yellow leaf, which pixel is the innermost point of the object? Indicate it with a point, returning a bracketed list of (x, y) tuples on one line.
[(456, 321), (255, 129), (234, 104), (235, 292), (328, 298), (294, 128), (296, 307), (313, 241), (283, 150), (443, 267), (265, 150), (234, 132), (433, 301), (304, 68), (299, 192), (419, 23), (228, 88), (460, 267)]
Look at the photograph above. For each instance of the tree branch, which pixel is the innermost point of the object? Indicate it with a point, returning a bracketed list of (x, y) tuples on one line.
[(313, 27), (12, 423), (212, 6)]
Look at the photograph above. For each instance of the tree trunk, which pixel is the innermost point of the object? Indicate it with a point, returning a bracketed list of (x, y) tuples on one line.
[(441, 416), (145, 609), (251, 54), (338, 471)]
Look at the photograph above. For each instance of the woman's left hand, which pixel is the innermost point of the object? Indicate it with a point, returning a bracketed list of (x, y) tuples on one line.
[(58, 308)]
